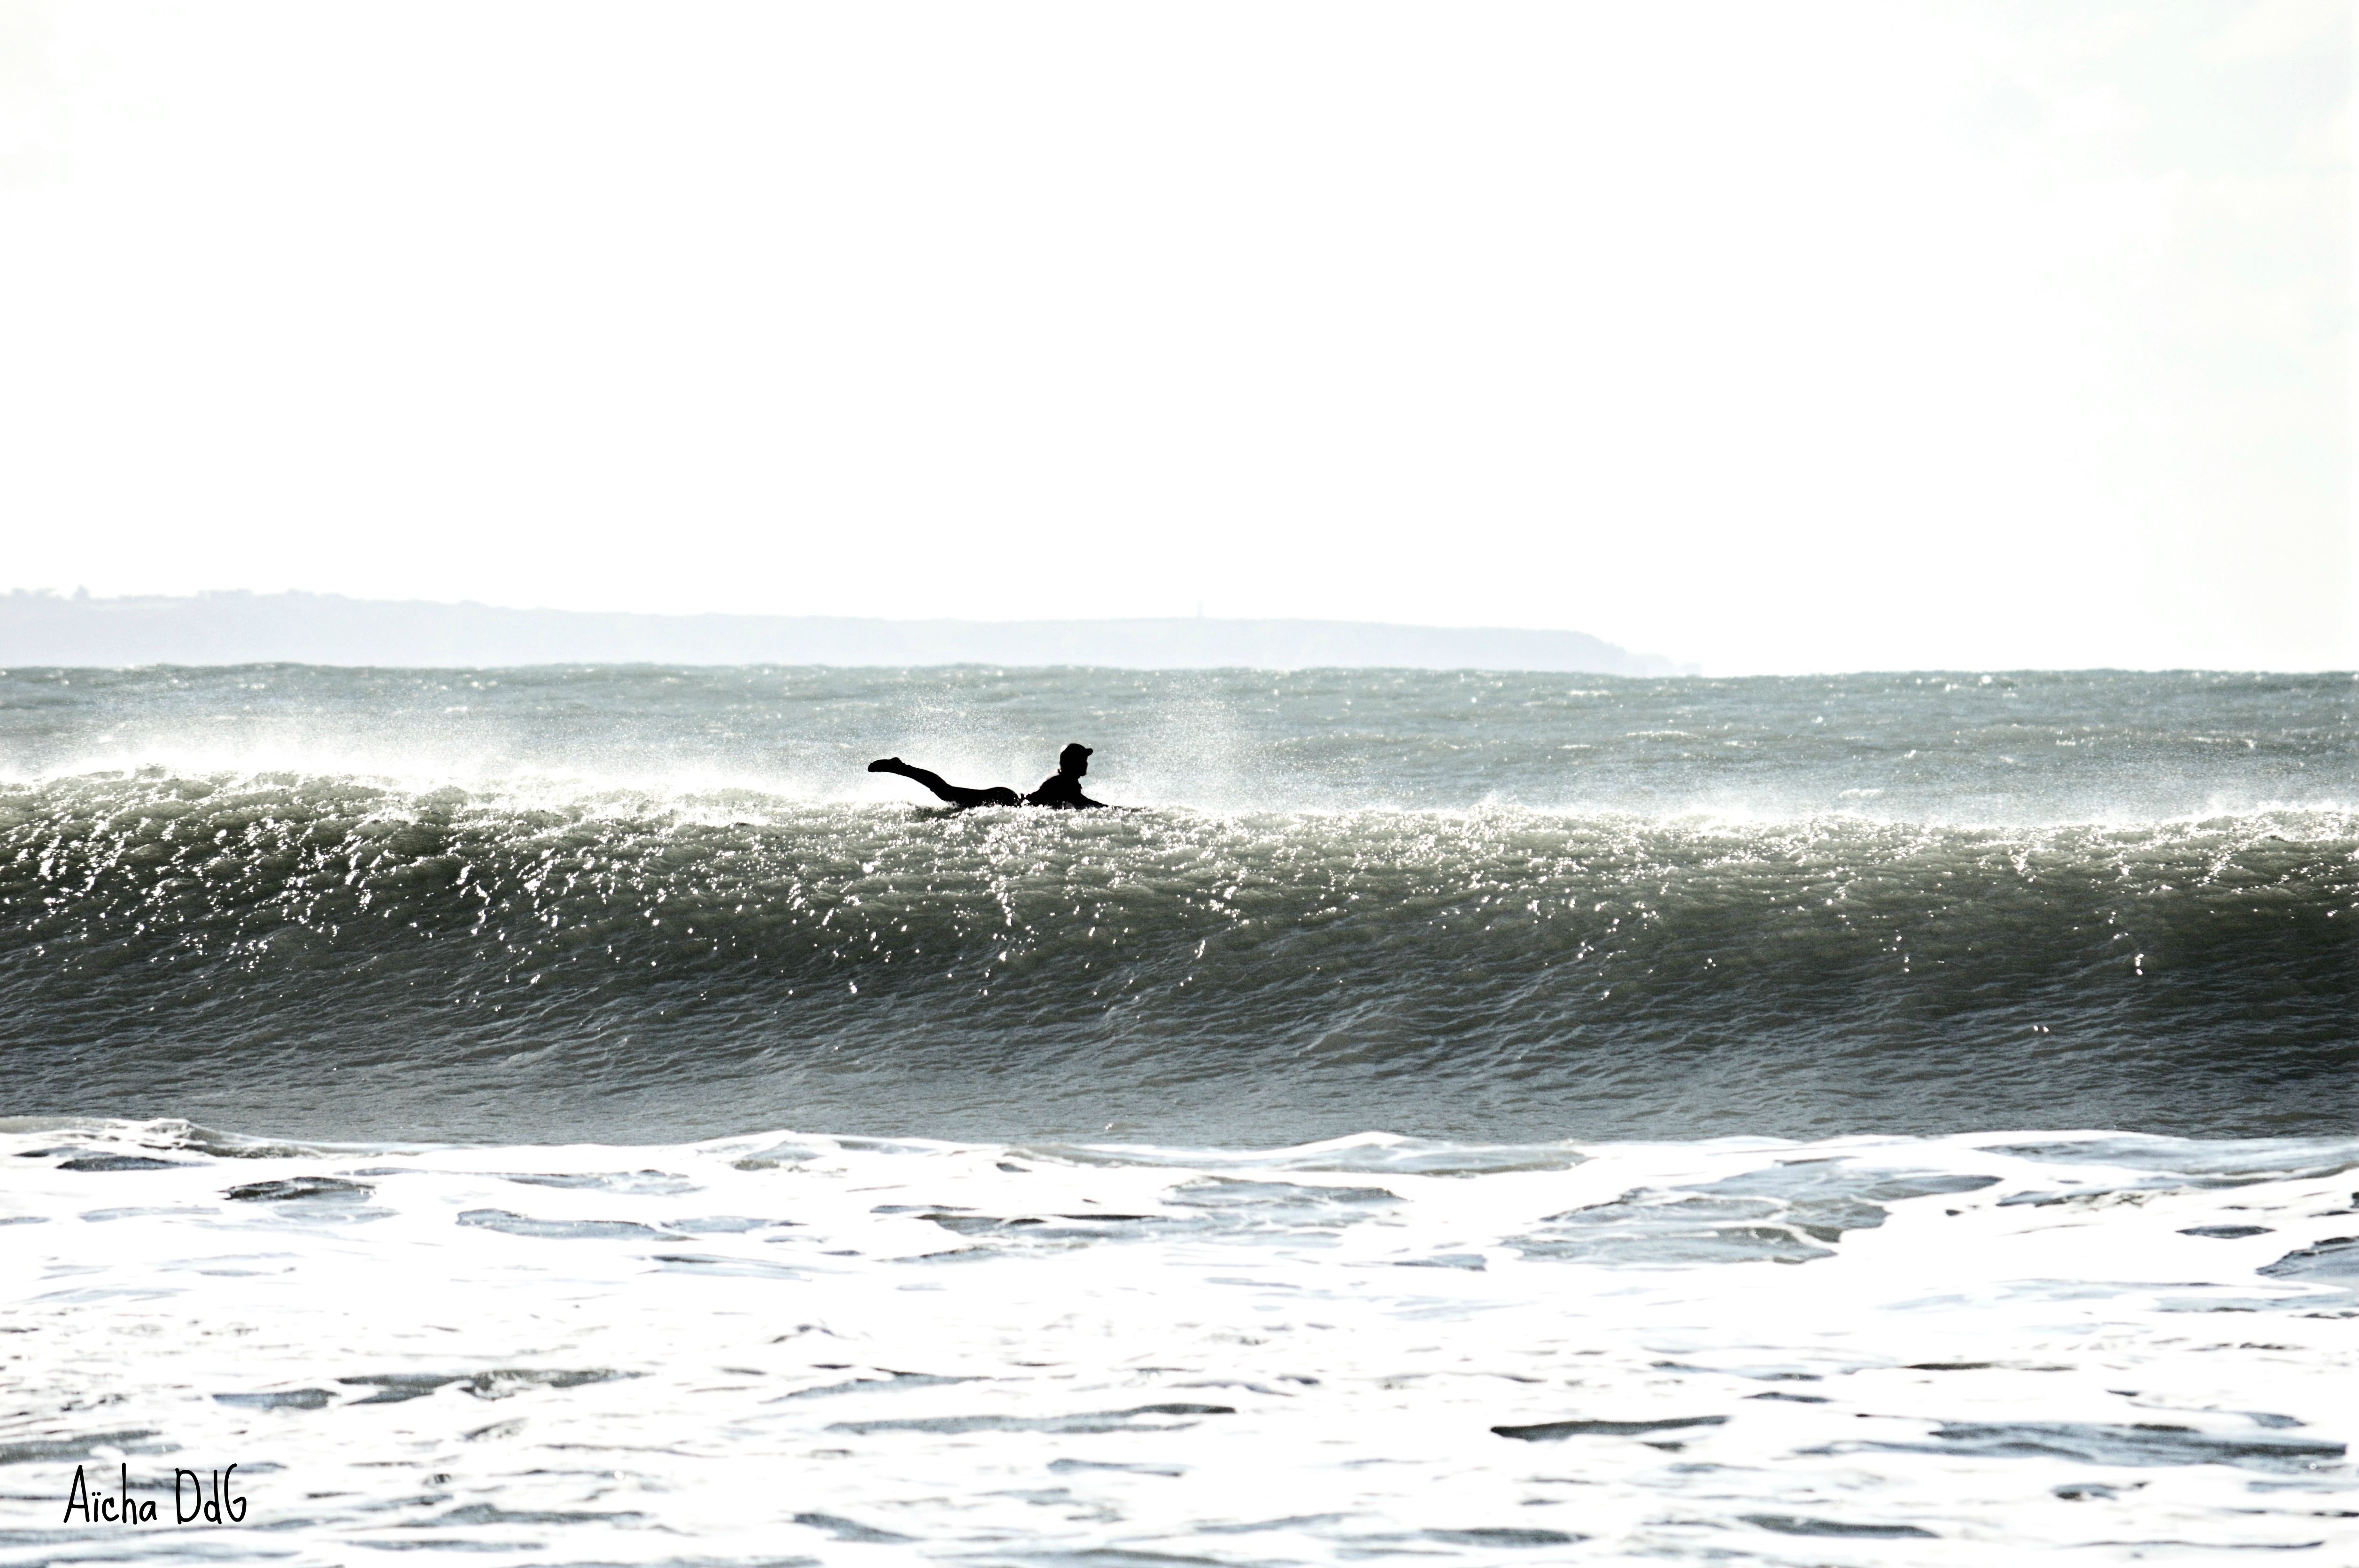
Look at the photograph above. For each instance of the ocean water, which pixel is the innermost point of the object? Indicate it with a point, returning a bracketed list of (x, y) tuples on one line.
[(580, 1116)]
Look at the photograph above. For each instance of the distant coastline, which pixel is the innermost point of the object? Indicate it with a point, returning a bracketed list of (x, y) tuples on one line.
[(43, 628)]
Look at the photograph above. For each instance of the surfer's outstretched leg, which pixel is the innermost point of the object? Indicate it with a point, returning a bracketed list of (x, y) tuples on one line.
[(925, 776), (956, 794)]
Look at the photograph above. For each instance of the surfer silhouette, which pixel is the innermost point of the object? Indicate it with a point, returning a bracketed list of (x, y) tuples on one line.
[(1060, 791)]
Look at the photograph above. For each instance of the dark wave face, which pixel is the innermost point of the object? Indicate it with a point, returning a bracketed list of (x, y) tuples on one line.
[(651, 904), (329, 956)]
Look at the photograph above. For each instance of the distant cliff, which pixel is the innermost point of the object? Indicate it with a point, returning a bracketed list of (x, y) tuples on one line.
[(326, 628)]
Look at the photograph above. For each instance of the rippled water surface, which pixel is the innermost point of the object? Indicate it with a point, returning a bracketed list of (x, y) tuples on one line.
[(802, 1348)]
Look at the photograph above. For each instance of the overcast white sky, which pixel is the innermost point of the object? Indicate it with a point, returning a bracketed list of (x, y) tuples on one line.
[(1773, 336)]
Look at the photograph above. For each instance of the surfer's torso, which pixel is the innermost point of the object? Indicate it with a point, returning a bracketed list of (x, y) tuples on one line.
[(1061, 790)]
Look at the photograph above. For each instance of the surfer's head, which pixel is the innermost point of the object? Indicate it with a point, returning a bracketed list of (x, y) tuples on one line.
[(1074, 760)]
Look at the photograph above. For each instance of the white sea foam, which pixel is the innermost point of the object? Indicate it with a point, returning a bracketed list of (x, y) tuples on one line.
[(1881, 1351)]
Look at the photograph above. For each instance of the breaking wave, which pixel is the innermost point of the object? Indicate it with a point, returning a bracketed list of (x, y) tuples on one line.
[(349, 956)]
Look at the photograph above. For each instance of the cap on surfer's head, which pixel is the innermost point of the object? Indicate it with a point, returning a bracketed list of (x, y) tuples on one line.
[(1074, 753)]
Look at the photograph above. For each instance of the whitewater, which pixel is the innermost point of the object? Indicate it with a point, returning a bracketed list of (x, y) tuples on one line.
[(579, 1115)]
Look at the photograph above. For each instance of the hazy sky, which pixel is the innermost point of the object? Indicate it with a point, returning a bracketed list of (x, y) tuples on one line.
[(1773, 336)]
